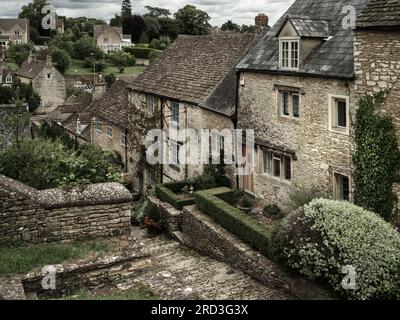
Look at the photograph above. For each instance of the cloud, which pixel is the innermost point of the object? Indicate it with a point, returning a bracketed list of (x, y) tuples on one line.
[(241, 12)]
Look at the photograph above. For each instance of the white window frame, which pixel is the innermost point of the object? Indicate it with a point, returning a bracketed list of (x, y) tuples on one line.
[(149, 105), (266, 154), (123, 138), (336, 186), (98, 126), (78, 127), (291, 93), (110, 131), (174, 154), (332, 123), (282, 169), (174, 123), (289, 40), (9, 79)]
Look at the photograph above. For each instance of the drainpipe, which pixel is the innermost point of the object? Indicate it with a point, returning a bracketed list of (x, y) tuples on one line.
[(235, 122), (126, 150), (186, 127), (162, 140)]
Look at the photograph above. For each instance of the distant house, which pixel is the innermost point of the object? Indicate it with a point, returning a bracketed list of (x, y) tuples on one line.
[(46, 81), (110, 39), (194, 84), (7, 76), (9, 131), (13, 31)]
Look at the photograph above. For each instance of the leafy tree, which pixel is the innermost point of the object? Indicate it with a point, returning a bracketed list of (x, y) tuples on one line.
[(110, 79), (168, 27), (63, 41), (6, 95), (86, 47), (377, 157), (160, 44), (153, 27), (156, 12), (126, 8), (122, 59), (26, 94), (247, 29), (19, 53), (61, 59), (116, 21), (192, 21), (134, 25), (230, 26), (33, 12)]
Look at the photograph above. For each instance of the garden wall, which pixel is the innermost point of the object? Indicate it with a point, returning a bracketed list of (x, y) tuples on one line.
[(31, 216), (205, 235)]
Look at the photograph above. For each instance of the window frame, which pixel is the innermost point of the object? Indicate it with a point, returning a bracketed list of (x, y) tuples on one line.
[(98, 126), (149, 101), (289, 41), (174, 153), (337, 186), (273, 156), (78, 127), (7, 79), (333, 115), (123, 141), (110, 129), (175, 118), (281, 103)]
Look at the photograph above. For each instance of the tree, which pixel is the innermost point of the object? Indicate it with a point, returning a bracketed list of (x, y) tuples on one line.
[(110, 79), (116, 21), (126, 8), (86, 47), (153, 27), (19, 53), (33, 12), (134, 25), (26, 94), (156, 12), (6, 95), (192, 21), (63, 41), (61, 59), (230, 26), (248, 29), (168, 27)]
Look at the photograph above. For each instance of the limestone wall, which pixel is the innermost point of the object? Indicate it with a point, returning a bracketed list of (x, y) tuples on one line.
[(29, 215)]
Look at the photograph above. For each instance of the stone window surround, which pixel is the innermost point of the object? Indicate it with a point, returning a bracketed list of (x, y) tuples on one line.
[(335, 174), (98, 126), (274, 154), (150, 101), (123, 138), (280, 89), (289, 40), (332, 114), (9, 79), (174, 166), (109, 132)]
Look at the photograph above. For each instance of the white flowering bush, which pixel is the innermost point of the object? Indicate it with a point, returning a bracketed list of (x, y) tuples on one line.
[(325, 236)]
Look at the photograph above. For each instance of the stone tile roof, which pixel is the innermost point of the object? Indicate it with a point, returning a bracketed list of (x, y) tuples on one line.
[(99, 29), (193, 70), (311, 28), (113, 105), (30, 69), (334, 58), (8, 24), (380, 13)]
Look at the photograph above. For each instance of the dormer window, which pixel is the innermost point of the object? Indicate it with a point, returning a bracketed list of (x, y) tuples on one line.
[(289, 53), (9, 79), (78, 127)]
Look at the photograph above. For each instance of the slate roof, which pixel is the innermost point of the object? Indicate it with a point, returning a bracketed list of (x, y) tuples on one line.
[(194, 70), (113, 105), (311, 28), (31, 69), (334, 58), (8, 24), (99, 29), (380, 13)]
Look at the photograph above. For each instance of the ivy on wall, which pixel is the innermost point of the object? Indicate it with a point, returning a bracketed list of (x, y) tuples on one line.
[(377, 157)]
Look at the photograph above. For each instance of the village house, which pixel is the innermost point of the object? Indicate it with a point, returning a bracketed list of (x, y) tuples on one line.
[(191, 85), (13, 31), (7, 76), (296, 93), (46, 81), (111, 39)]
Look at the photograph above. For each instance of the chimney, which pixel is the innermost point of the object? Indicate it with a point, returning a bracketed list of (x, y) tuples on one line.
[(261, 22), (48, 60)]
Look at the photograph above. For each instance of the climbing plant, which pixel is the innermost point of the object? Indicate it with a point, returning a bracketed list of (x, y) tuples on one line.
[(376, 158)]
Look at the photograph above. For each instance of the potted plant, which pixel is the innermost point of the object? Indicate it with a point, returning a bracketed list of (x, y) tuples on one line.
[(273, 212), (245, 204)]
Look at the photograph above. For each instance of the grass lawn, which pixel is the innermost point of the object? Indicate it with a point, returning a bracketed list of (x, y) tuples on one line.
[(77, 68), (25, 258), (143, 293)]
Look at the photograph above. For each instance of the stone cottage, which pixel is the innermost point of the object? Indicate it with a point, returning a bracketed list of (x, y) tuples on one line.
[(296, 93), (193, 84), (111, 39), (7, 76), (46, 81), (13, 31)]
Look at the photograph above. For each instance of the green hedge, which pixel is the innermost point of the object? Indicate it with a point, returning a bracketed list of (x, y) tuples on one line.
[(167, 193), (141, 53), (231, 218)]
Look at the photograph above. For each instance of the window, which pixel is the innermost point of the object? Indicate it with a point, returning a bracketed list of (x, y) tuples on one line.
[(78, 127), (289, 53), (276, 163), (98, 126), (150, 105), (9, 79), (105, 40), (290, 103), (342, 187), (110, 131), (266, 162), (123, 138), (287, 162), (339, 114), (16, 32), (175, 114), (174, 153), (49, 76), (217, 143)]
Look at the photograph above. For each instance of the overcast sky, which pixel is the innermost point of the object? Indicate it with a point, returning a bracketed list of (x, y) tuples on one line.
[(241, 12)]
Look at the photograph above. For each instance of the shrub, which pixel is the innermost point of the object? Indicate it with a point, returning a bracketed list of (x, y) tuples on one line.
[(138, 212), (272, 210), (298, 198), (167, 193), (233, 219), (319, 240), (110, 79), (160, 44), (153, 55), (122, 59), (140, 53), (61, 59), (90, 63)]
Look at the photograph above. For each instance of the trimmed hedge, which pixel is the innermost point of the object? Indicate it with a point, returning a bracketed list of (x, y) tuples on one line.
[(231, 218), (141, 53), (325, 236), (167, 193)]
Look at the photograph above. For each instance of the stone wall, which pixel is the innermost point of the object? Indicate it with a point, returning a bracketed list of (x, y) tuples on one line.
[(30, 215), (202, 233), (319, 152)]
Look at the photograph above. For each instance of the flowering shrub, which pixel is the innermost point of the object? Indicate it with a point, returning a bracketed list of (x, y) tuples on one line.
[(324, 236)]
